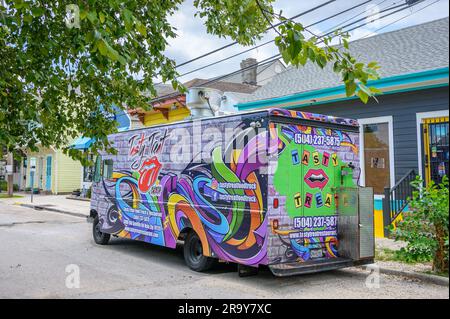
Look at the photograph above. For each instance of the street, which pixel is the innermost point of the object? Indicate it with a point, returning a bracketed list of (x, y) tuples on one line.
[(37, 247)]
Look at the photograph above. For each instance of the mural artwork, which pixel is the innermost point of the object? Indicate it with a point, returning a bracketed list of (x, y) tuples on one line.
[(229, 200), (312, 163), (223, 201)]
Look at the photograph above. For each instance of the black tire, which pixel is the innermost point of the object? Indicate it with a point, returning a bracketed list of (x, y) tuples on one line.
[(193, 254), (99, 237)]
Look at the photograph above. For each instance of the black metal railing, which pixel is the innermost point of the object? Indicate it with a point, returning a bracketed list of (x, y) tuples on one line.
[(396, 199)]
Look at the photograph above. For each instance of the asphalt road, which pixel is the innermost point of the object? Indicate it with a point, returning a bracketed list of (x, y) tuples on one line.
[(37, 247)]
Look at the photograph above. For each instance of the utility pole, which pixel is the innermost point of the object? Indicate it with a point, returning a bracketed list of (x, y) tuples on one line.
[(9, 173)]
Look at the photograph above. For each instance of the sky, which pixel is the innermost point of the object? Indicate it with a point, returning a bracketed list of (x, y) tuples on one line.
[(193, 40)]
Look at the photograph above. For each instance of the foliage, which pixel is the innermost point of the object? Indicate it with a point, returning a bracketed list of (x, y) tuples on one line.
[(400, 255), (7, 196), (4, 186), (297, 50), (63, 67), (425, 228)]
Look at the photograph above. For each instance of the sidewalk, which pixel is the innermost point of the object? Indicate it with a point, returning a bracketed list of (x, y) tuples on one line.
[(58, 203)]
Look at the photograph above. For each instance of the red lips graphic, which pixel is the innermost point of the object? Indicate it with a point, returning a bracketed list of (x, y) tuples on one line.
[(149, 172), (316, 178)]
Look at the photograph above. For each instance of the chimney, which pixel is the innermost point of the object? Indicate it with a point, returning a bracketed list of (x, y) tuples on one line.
[(249, 75)]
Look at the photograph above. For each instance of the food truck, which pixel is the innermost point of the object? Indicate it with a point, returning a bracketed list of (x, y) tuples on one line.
[(274, 187)]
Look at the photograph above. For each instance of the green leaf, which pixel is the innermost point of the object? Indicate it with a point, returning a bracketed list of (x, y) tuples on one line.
[(102, 47), (375, 90), (102, 17), (345, 42), (128, 19), (350, 88), (37, 11), (364, 97), (141, 29), (28, 18), (286, 56), (337, 67), (92, 16), (83, 14), (365, 89)]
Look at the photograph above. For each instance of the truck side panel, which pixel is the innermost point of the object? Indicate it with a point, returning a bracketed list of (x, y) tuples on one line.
[(207, 175)]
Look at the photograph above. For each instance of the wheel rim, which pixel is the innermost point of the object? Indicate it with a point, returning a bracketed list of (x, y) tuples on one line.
[(196, 250)]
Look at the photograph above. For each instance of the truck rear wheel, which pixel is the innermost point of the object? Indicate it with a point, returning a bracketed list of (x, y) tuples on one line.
[(193, 254), (99, 237)]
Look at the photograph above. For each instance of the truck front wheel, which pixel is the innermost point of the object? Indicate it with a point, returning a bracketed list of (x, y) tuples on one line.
[(193, 254), (99, 237)]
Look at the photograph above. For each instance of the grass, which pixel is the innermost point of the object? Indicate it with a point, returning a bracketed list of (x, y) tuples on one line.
[(6, 196), (386, 254)]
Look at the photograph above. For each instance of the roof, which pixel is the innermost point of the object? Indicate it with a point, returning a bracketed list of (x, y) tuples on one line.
[(224, 86), (237, 77), (414, 49)]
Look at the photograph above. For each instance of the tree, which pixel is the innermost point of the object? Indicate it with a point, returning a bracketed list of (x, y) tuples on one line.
[(65, 63)]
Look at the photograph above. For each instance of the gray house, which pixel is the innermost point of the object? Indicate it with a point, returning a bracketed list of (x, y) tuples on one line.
[(408, 129)]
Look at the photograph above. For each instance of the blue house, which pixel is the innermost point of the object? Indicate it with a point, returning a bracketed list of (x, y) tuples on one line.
[(406, 133)]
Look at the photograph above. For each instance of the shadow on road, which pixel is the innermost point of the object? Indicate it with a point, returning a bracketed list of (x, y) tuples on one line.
[(174, 258)]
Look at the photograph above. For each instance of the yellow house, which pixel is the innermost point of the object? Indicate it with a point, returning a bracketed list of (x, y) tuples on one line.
[(170, 105), (54, 173)]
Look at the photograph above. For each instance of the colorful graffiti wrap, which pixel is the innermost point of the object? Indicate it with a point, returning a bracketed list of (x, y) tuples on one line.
[(223, 202), (258, 197), (309, 169)]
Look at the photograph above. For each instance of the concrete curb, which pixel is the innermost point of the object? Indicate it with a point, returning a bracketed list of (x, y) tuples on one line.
[(80, 199), (434, 279), (57, 210)]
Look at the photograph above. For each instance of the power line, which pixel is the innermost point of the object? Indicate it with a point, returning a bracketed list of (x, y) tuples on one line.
[(271, 41), (315, 23), (367, 35), (356, 15), (275, 57), (387, 15), (401, 6), (404, 17), (235, 42)]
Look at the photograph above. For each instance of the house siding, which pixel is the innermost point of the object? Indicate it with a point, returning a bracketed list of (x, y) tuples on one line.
[(403, 108), (69, 173), (155, 118)]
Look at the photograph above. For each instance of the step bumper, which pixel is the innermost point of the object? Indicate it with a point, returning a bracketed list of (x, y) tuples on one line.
[(298, 268)]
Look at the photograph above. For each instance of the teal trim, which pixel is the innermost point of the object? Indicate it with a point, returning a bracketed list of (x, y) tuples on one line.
[(356, 98), (378, 204), (82, 143), (405, 79)]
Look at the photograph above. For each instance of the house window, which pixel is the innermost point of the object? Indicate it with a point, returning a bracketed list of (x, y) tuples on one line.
[(376, 156)]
